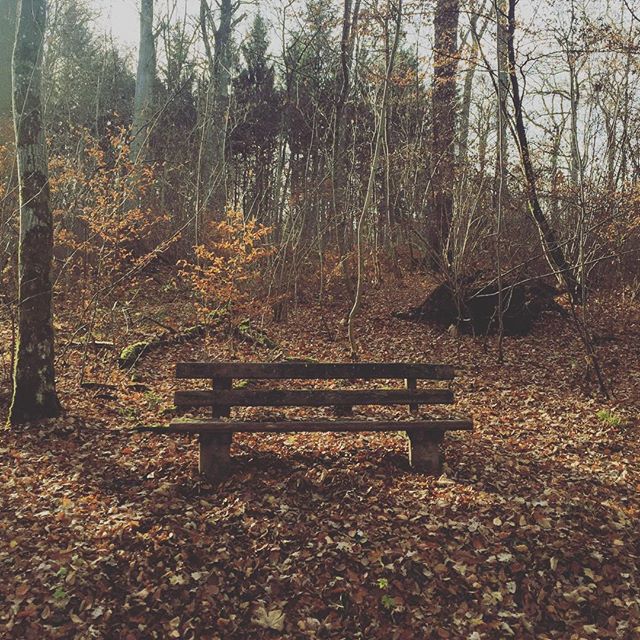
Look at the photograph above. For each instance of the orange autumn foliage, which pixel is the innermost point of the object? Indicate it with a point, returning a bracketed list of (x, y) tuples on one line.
[(228, 268), (102, 204)]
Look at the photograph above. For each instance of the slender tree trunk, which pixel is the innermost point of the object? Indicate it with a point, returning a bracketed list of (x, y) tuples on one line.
[(444, 103), (143, 101), (502, 54), (215, 114), (381, 110), (339, 168), (552, 248), (467, 87), (501, 174), (34, 393), (556, 142)]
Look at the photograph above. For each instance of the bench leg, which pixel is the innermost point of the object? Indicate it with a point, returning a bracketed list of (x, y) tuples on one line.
[(215, 461), (425, 452)]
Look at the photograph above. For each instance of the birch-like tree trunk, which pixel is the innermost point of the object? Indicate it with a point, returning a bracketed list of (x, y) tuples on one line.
[(215, 113), (502, 54), (339, 164), (467, 87), (380, 114), (34, 393), (143, 101)]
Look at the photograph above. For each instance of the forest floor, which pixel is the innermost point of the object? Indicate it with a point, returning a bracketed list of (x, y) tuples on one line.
[(532, 532)]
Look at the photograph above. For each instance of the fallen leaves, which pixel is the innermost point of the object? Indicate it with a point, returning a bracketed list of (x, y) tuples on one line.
[(532, 531), (269, 619)]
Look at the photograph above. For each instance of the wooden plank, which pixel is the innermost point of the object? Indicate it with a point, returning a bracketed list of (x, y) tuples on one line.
[(315, 370), (289, 426), (310, 397), (214, 458), (343, 411)]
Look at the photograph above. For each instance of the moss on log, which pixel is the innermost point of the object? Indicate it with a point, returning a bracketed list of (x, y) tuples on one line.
[(131, 354)]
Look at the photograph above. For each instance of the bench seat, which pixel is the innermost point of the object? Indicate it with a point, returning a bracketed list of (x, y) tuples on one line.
[(310, 426)]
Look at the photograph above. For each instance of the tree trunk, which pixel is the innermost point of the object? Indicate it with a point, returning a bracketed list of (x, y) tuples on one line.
[(445, 62), (552, 249), (502, 54), (467, 87), (143, 101), (34, 393), (339, 164), (215, 113), (380, 113)]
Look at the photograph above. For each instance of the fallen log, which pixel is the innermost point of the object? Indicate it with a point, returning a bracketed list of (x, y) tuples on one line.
[(130, 355)]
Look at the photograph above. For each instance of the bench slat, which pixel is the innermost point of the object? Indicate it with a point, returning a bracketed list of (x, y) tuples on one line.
[(311, 397), (288, 426), (314, 370)]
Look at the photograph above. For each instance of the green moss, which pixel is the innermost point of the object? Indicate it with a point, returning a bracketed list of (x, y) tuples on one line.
[(129, 413), (246, 331), (168, 411), (130, 354)]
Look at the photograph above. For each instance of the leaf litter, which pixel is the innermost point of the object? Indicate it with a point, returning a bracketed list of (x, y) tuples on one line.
[(532, 532)]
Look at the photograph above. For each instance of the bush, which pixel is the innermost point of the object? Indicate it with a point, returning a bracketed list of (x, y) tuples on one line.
[(229, 267)]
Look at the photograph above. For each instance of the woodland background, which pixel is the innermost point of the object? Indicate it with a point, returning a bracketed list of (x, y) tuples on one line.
[(294, 180)]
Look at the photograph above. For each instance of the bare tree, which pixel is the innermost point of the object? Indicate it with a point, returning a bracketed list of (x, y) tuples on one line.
[(502, 55), (339, 167), (215, 113), (34, 392), (380, 112), (466, 97), (553, 249)]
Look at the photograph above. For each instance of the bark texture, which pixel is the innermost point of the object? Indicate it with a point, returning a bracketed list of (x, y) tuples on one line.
[(444, 102), (7, 37), (216, 109), (143, 101), (502, 55), (34, 393)]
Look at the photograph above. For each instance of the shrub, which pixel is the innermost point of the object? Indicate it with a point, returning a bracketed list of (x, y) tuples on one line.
[(229, 267), (102, 205)]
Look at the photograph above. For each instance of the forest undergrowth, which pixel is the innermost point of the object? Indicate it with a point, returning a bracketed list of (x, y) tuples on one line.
[(531, 532)]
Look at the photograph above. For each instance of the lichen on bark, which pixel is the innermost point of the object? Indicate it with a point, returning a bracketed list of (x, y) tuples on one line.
[(34, 392)]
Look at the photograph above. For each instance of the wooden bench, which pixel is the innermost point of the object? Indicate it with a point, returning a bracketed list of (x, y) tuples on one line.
[(425, 435)]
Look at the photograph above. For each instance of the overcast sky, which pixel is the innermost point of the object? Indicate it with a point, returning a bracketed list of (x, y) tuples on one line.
[(119, 17)]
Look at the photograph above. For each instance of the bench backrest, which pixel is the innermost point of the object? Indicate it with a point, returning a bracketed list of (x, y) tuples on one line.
[(223, 396), (314, 370)]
